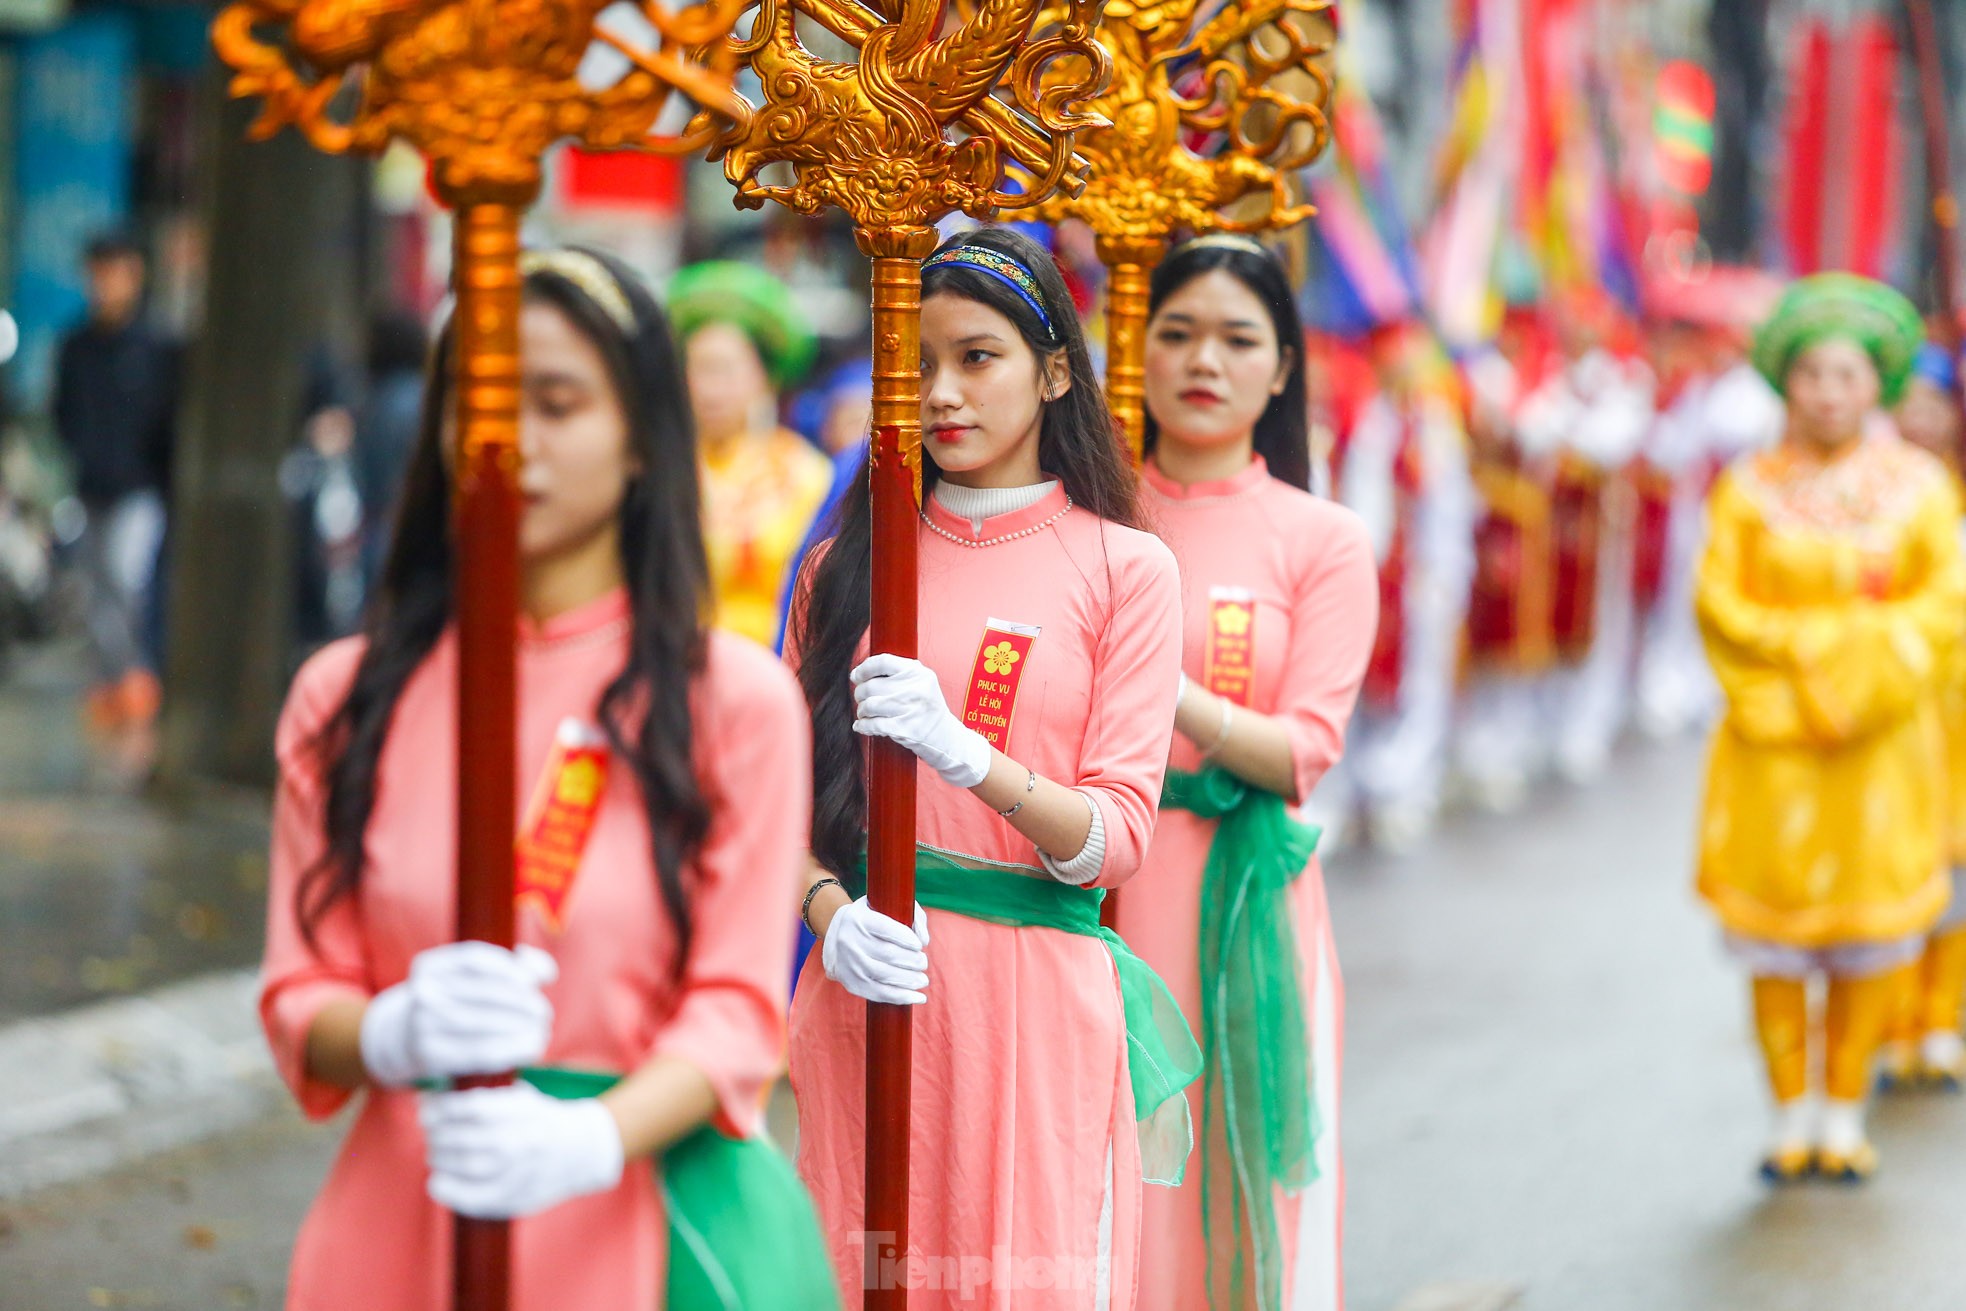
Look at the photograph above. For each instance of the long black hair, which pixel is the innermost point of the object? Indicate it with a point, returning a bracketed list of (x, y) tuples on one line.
[(645, 711), (1078, 444), (1283, 433)]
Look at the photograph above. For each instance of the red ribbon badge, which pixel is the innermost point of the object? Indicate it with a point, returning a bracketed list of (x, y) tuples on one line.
[(1000, 660), (560, 818), (1229, 663)]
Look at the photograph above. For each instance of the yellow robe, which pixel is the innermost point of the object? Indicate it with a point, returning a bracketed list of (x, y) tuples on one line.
[(1952, 715), (1832, 598), (760, 492)]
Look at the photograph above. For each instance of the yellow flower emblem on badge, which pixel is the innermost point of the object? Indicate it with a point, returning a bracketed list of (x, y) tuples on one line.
[(999, 658), (1233, 620), (579, 784)]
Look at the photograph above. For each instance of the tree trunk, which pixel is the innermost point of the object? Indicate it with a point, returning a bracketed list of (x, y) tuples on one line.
[(284, 281)]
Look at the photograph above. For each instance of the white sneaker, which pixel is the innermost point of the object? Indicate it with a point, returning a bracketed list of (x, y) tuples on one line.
[(1792, 1141), (1897, 1065), (1845, 1154), (1943, 1058)]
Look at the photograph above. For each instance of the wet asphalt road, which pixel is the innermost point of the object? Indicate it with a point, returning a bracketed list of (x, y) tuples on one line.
[(1552, 1101), (1552, 1086), (103, 891)]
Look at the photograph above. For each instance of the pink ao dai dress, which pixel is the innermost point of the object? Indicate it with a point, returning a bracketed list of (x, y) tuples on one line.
[(1025, 1180), (372, 1238), (1308, 565)]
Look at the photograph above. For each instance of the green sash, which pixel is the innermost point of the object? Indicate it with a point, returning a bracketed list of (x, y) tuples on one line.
[(743, 1235), (1161, 1056), (1259, 1119)]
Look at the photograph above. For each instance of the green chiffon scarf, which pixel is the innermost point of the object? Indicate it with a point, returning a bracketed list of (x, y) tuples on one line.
[(1259, 1120), (743, 1235), (1161, 1056)]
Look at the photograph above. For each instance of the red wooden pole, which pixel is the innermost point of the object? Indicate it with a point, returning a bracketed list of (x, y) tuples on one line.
[(485, 508), (897, 435), (1130, 265)]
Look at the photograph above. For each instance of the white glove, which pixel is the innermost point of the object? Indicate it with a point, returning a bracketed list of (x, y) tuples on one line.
[(901, 699), (876, 957), (467, 1008), (501, 1153)]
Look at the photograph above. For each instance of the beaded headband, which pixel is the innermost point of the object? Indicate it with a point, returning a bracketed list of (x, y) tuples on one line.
[(588, 275), (1223, 241), (1004, 269)]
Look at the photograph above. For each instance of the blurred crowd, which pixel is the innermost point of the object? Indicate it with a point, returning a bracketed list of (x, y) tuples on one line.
[(1536, 509), (1536, 504)]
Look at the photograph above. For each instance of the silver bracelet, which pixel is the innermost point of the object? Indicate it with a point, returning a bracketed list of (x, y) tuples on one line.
[(1222, 738), (1030, 786)]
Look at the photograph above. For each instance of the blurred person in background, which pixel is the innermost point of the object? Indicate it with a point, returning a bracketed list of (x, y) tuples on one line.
[(386, 427), (1831, 595), (744, 344), (26, 548), (115, 407), (837, 412), (1712, 408), (1929, 416), (1396, 453), (1925, 1047), (319, 478), (1584, 425), (1499, 749)]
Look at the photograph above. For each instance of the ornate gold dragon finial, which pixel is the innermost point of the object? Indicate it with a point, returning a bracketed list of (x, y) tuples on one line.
[(1252, 79), (909, 132), (872, 138), (481, 87)]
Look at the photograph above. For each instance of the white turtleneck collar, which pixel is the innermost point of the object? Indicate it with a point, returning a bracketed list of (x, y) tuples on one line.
[(979, 503)]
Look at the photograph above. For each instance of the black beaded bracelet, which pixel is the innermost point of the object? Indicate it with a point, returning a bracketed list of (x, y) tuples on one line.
[(805, 908)]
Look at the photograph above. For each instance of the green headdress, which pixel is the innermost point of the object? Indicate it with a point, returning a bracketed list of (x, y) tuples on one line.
[(724, 291), (1826, 305)]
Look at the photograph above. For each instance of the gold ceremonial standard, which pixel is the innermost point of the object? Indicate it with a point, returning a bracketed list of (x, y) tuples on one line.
[(1251, 75)]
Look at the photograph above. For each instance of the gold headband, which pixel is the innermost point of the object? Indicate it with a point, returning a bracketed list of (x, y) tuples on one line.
[(1224, 241), (589, 275)]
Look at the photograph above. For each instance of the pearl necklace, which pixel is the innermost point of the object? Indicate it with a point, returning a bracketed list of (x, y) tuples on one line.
[(940, 531)]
